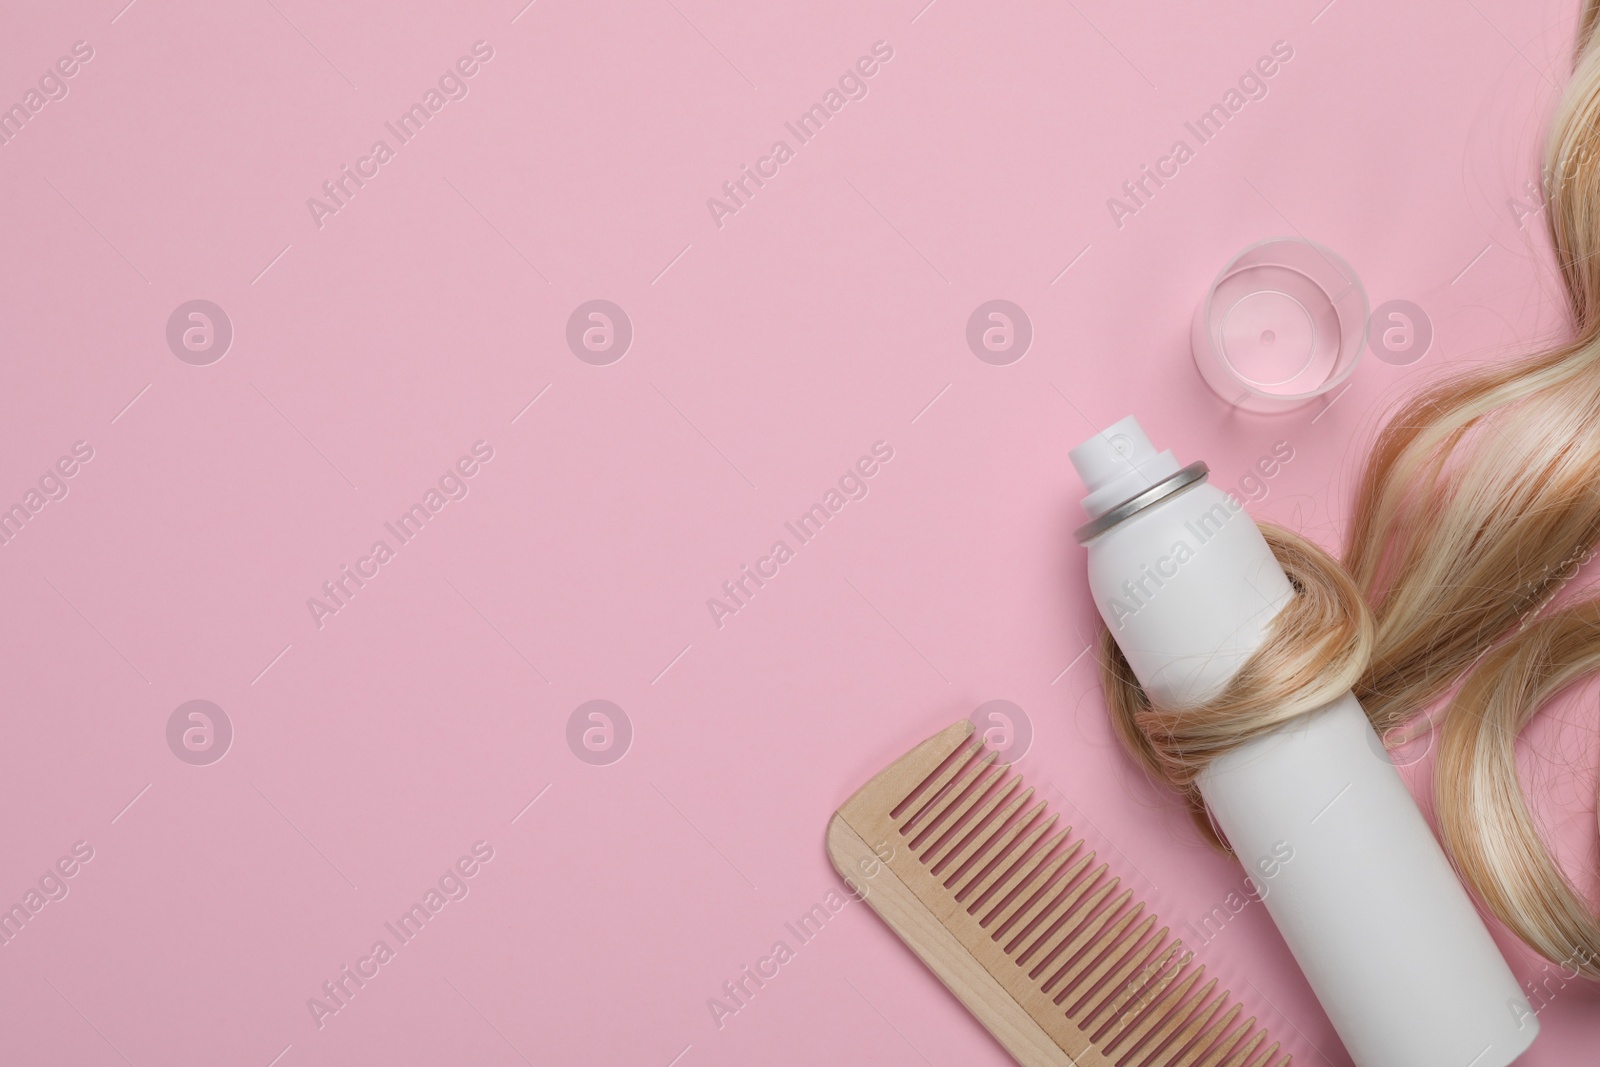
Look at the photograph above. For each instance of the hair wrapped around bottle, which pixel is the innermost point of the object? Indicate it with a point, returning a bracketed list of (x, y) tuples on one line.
[(1481, 497), (1318, 647)]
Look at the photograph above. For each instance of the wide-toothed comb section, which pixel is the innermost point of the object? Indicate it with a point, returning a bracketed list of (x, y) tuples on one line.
[(1012, 851), (1178, 1030), (985, 854), (1124, 993), (1151, 1018), (1013, 874), (931, 793), (1067, 910), (1044, 944), (946, 810), (1034, 892), (1078, 981), (1084, 944), (980, 823), (1216, 1036), (1145, 991)]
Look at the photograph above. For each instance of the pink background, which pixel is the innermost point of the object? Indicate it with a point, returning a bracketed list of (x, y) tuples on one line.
[(768, 354)]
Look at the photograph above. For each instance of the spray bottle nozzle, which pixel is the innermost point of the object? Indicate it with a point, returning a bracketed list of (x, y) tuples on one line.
[(1117, 463)]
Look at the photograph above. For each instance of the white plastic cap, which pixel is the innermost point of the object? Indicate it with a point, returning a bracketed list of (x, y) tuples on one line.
[(1117, 463)]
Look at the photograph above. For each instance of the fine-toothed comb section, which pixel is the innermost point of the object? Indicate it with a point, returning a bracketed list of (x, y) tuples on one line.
[(1038, 939)]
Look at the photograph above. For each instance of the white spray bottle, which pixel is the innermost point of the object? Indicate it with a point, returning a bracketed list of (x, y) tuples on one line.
[(1368, 904)]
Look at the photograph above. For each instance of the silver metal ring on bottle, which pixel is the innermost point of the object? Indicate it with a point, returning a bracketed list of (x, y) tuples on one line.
[(1176, 483)]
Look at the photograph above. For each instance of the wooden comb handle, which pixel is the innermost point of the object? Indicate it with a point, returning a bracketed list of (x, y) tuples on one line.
[(944, 955)]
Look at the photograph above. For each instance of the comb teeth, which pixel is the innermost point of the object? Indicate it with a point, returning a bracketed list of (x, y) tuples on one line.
[(1041, 943)]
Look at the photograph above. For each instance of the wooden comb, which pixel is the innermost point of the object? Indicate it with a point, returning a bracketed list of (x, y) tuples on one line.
[(1032, 937)]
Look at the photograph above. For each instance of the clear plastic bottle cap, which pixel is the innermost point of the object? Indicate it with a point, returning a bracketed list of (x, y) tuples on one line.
[(1284, 323)]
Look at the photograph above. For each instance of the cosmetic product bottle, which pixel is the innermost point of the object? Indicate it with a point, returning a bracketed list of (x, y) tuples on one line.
[(1387, 936)]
